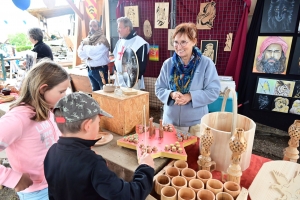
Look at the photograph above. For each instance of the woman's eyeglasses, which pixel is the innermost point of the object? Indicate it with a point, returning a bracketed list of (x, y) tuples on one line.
[(182, 44)]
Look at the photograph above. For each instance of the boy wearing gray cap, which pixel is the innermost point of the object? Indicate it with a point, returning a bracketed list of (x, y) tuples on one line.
[(74, 171)]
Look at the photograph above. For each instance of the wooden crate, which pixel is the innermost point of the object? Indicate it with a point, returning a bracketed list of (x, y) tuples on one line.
[(127, 110)]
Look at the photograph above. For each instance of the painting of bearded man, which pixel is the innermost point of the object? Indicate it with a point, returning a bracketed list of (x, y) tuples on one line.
[(272, 54)]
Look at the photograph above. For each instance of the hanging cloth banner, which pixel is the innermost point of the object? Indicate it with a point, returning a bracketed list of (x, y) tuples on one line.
[(91, 8), (154, 53)]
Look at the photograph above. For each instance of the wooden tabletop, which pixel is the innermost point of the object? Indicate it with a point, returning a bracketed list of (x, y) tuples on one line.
[(123, 161), (12, 58)]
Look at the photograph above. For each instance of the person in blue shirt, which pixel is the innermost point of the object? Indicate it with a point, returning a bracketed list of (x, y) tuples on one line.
[(188, 81)]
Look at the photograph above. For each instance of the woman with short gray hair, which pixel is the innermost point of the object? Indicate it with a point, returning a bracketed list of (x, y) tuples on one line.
[(36, 38)]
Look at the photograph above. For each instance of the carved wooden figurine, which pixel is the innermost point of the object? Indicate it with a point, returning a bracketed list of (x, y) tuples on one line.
[(151, 127), (204, 160), (237, 145), (291, 153), (161, 129)]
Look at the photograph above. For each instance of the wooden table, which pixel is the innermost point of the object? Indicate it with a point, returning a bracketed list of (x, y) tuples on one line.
[(123, 161), (11, 59)]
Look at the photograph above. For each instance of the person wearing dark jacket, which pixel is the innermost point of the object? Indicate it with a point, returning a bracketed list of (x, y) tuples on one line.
[(130, 39), (73, 171), (36, 38)]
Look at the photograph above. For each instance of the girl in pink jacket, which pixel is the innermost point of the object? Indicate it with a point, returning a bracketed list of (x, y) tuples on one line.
[(28, 130)]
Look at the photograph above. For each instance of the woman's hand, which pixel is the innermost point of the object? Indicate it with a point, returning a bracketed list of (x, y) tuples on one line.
[(183, 99), (23, 183), (175, 95)]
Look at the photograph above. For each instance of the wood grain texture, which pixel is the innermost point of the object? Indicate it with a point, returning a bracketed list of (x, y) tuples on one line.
[(127, 111), (276, 180)]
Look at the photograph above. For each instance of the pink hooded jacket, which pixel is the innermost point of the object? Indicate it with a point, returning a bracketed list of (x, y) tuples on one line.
[(26, 143)]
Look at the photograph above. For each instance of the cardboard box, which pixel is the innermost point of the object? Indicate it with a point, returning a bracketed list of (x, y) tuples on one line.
[(127, 110)]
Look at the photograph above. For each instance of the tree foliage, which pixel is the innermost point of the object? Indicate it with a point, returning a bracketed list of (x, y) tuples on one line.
[(19, 39)]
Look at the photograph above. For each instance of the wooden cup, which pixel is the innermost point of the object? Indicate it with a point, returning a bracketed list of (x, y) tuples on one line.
[(188, 174), (168, 193), (180, 164), (204, 176), (224, 196), (205, 194), (172, 172), (196, 185), (186, 194), (160, 182), (214, 185), (178, 182), (232, 188)]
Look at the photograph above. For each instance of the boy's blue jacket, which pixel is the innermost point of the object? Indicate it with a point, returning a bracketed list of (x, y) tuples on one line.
[(73, 171)]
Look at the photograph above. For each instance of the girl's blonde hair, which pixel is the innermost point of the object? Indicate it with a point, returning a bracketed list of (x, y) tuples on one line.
[(45, 72)]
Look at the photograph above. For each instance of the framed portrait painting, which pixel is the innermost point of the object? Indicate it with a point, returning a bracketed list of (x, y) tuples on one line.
[(295, 66), (272, 54), (209, 48), (279, 16)]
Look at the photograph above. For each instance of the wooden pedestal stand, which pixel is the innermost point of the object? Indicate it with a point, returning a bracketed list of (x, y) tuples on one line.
[(291, 153), (204, 160)]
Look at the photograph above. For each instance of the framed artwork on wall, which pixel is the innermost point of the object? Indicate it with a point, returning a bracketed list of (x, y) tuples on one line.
[(284, 88), (295, 66), (296, 93), (277, 95), (295, 107), (170, 39), (266, 86), (206, 15), (132, 12), (209, 48), (281, 104), (161, 15), (272, 54), (262, 102), (279, 16)]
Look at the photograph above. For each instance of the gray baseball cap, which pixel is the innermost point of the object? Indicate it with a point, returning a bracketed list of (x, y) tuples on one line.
[(78, 106)]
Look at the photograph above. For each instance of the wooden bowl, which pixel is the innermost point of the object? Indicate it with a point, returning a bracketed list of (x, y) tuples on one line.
[(109, 88)]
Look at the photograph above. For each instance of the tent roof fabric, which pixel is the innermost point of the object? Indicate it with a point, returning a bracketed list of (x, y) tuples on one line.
[(53, 12)]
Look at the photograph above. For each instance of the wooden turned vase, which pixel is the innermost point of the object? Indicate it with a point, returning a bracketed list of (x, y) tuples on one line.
[(237, 145), (291, 153), (204, 160)]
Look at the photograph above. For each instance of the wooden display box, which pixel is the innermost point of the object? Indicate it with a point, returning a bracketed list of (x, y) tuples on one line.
[(127, 110)]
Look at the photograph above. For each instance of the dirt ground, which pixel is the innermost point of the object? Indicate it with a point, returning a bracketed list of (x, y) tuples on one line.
[(268, 142)]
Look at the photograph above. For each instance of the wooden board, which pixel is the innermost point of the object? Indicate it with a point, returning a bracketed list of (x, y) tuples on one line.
[(127, 111), (269, 186), (168, 138)]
